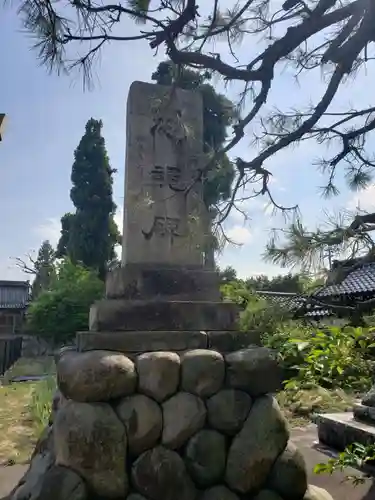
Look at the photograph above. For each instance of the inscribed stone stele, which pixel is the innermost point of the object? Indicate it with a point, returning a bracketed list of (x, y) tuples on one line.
[(164, 212)]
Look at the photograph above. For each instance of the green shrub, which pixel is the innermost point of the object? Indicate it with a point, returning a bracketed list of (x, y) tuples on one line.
[(355, 456), (334, 358), (327, 357), (59, 313), (283, 340), (237, 292), (260, 315)]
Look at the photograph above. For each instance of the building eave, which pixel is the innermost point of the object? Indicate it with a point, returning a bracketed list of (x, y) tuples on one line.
[(2, 122)]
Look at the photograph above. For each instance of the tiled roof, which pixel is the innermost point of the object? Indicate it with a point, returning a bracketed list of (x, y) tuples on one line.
[(289, 300), (295, 302), (315, 311), (359, 281)]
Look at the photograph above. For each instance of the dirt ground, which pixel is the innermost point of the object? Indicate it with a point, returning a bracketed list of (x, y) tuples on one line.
[(17, 432), (306, 440)]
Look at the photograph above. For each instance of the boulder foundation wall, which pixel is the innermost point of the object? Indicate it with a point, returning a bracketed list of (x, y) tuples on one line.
[(167, 425)]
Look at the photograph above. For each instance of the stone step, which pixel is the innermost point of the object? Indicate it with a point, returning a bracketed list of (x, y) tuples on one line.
[(132, 315), (141, 341), (145, 282), (339, 430)]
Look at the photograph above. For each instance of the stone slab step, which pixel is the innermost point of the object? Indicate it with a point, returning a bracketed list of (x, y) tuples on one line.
[(364, 413), (145, 282), (141, 341), (132, 315), (339, 430)]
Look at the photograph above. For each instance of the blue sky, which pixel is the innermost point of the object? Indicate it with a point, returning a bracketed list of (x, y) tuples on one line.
[(46, 119)]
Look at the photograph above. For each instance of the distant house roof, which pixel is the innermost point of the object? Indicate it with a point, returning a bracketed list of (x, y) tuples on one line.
[(14, 294), (359, 281), (351, 284), (291, 300), (297, 304)]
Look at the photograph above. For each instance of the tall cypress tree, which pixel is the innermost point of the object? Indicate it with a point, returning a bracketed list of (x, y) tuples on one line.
[(89, 235), (45, 271)]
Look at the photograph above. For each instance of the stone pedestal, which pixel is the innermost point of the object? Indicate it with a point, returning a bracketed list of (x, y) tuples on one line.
[(168, 308), (133, 343)]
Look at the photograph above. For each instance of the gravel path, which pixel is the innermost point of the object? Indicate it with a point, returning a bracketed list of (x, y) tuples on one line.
[(306, 441), (9, 477)]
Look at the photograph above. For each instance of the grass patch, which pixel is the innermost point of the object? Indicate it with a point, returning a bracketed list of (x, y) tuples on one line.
[(24, 412), (24, 408), (300, 405), (43, 365)]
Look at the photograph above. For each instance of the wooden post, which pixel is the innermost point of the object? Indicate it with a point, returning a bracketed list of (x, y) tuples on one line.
[(2, 121)]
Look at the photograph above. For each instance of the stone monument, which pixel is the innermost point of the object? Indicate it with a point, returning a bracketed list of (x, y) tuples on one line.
[(164, 399), (163, 296), (163, 194)]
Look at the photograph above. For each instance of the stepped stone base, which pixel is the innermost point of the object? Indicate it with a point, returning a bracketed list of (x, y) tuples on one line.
[(339, 430), (143, 341), (143, 315), (194, 426), (135, 282)]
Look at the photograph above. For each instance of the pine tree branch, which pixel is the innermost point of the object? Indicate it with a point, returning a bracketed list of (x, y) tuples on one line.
[(180, 29), (308, 248)]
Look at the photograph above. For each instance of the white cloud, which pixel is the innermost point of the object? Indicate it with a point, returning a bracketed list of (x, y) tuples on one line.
[(268, 208), (239, 235), (9, 271), (245, 271), (363, 200), (275, 183), (49, 230), (119, 218), (246, 264), (119, 221), (243, 211)]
